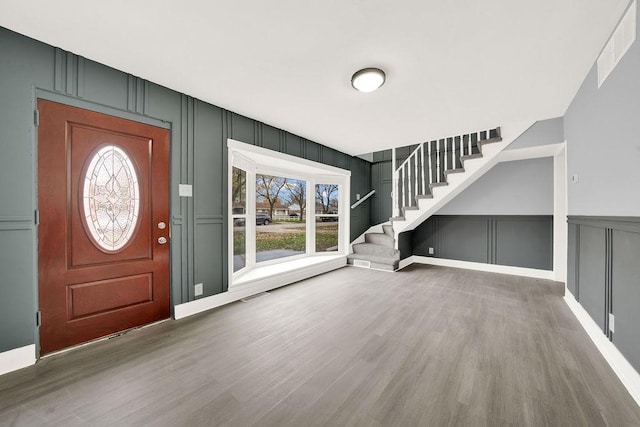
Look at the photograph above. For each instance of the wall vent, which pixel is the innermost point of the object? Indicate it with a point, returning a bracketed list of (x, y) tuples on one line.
[(361, 263), (620, 41)]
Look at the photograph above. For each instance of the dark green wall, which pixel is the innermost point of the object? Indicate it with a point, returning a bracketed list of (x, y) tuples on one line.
[(30, 69), (513, 240)]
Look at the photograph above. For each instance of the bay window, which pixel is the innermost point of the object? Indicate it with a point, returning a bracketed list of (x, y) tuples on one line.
[(283, 209)]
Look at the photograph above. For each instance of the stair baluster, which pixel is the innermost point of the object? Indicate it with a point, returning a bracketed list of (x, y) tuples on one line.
[(409, 183), (430, 168), (424, 187), (445, 166), (416, 178), (438, 160), (402, 180)]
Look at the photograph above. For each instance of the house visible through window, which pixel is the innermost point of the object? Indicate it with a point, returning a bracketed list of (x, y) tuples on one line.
[(279, 234), (283, 208)]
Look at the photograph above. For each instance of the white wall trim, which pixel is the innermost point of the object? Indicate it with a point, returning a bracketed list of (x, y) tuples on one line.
[(405, 262), (537, 152), (18, 358), (257, 286), (623, 369), (491, 268), (560, 227)]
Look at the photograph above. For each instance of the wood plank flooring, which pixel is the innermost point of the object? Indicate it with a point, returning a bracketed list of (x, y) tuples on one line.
[(354, 347)]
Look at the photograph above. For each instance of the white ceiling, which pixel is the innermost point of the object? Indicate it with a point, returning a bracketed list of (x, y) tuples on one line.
[(452, 66)]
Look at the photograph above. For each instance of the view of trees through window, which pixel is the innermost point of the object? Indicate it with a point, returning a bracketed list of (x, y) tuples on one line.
[(281, 209), (280, 217), (327, 218), (239, 214)]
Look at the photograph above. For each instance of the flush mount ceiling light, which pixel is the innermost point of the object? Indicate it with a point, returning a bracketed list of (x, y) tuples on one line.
[(368, 79)]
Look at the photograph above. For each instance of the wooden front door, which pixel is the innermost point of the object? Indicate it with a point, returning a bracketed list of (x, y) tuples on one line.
[(103, 238)]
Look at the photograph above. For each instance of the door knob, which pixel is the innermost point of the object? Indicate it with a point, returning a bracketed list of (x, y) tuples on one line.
[(162, 240)]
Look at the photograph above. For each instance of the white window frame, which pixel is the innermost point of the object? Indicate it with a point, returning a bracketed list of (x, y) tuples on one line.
[(237, 160), (256, 160)]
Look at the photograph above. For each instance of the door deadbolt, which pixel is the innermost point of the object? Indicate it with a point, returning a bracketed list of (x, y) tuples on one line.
[(162, 240), (162, 225)]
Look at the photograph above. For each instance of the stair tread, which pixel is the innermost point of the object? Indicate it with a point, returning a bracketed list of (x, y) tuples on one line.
[(438, 184), (376, 250), (424, 196), (470, 157), (490, 140), (382, 239), (388, 230), (457, 170)]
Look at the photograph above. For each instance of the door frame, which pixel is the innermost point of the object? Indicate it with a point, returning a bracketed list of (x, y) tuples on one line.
[(98, 108)]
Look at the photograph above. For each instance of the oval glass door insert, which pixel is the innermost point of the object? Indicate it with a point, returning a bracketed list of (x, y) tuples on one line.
[(111, 198)]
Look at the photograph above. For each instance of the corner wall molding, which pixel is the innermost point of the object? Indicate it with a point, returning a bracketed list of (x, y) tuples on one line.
[(622, 368)]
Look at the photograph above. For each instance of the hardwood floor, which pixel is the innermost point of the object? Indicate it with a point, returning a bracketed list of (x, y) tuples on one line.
[(425, 346)]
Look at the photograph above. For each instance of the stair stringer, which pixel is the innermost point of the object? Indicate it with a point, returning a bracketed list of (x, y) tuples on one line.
[(473, 169)]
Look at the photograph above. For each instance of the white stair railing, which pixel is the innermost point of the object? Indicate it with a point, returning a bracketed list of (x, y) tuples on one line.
[(423, 167)]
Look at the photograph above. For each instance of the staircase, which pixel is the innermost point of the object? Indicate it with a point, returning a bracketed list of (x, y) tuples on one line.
[(434, 173), (437, 171), (378, 251)]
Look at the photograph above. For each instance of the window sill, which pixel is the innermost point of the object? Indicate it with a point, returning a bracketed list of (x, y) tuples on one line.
[(260, 273)]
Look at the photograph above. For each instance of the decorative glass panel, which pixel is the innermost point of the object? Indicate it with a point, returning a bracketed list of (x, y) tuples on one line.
[(111, 196)]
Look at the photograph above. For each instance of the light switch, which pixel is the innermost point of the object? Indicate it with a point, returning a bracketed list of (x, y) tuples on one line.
[(185, 190)]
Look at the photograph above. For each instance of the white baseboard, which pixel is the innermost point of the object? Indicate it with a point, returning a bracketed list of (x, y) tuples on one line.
[(405, 262), (492, 268), (18, 358), (623, 369), (255, 287)]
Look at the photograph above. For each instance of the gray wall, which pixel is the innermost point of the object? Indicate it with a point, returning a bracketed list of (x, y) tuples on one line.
[(523, 187), (602, 127), (519, 241), (604, 274), (29, 69), (543, 132)]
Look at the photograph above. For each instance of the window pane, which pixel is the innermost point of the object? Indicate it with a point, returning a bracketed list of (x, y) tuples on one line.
[(239, 191), (327, 233), (239, 241), (280, 217), (326, 199)]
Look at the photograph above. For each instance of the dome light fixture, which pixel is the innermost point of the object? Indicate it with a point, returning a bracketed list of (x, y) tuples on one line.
[(368, 79)]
